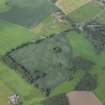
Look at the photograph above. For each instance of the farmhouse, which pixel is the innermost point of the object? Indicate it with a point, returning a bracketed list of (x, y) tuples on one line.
[(58, 16), (74, 98)]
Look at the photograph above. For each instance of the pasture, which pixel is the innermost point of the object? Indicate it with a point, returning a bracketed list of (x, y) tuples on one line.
[(45, 61), (67, 6)]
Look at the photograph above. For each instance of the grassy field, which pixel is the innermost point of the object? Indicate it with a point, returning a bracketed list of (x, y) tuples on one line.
[(85, 12), (28, 13), (100, 90), (12, 35), (70, 5), (68, 86), (50, 25)]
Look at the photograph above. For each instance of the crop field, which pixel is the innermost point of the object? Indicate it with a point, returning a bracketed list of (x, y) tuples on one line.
[(70, 5), (27, 13)]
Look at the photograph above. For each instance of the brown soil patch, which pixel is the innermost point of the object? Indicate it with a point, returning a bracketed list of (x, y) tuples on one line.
[(83, 98)]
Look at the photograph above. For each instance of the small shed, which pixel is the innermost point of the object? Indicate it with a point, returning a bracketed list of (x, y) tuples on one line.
[(14, 100)]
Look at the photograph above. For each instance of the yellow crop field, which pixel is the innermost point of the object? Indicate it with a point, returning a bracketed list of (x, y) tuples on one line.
[(68, 6)]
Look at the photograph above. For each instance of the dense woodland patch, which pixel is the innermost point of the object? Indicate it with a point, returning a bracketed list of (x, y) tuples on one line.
[(95, 32)]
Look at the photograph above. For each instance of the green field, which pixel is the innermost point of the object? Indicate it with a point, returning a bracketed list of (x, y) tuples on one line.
[(12, 35), (28, 13)]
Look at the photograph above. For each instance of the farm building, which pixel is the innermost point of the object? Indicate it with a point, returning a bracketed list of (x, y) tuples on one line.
[(74, 98)]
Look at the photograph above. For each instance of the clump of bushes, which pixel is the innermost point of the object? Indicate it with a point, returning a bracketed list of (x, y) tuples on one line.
[(95, 32), (57, 100), (88, 82), (82, 63)]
